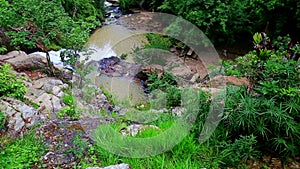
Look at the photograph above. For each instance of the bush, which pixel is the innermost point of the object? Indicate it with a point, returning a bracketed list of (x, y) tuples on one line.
[(240, 150), (270, 110), (146, 4), (81, 9), (225, 21), (48, 24), (10, 86), (157, 41), (70, 110), (166, 83)]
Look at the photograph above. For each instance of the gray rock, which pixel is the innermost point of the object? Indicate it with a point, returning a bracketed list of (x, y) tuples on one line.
[(56, 90), (21, 61), (60, 94), (50, 102), (134, 129), (195, 77), (178, 111), (12, 54), (118, 166), (18, 122), (20, 115), (64, 86), (56, 103), (38, 84), (56, 82)]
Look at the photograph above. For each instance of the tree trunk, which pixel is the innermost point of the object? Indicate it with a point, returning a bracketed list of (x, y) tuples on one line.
[(50, 65)]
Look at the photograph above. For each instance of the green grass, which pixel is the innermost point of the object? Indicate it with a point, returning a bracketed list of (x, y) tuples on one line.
[(187, 154), (21, 153)]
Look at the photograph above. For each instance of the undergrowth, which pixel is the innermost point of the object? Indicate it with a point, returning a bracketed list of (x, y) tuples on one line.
[(22, 152)]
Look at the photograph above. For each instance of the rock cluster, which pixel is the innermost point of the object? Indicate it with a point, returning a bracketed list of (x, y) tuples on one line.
[(19, 115), (47, 93), (60, 136)]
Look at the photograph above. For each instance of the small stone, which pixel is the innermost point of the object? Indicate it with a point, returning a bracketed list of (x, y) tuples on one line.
[(195, 77), (178, 111), (56, 103), (56, 90), (56, 82), (38, 85), (64, 86), (134, 129), (19, 123), (60, 94), (190, 52)]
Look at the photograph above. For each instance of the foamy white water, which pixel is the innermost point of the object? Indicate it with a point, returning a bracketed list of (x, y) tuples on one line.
[(96, 53)]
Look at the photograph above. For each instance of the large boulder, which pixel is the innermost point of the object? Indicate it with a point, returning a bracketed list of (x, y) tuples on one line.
[(220, 80), (22, 62)]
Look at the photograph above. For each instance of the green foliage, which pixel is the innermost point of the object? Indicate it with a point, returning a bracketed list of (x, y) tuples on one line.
[(240, 150), (146, 4), (157, 41), (3, 49), (186, 154), (282, 43), (22, 153), (9, 84), (257, 37), (264, 118), (89, 92), (80, 146), (123, 56), (2, 120), (227, 20), (81, 9), (166, 83), (108, 95), (69, 57), (270, 111), (70, 110), (51, 23)]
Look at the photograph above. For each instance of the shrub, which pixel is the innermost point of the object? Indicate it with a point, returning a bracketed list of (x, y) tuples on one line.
[(166, 83), (147, 4), (48, 24), (157, 41), (224, 21), (70, 110), (10, 86), (270, 110), (243, 148)]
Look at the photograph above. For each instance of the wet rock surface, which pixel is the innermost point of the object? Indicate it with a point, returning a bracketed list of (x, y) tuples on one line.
[(115, 67)]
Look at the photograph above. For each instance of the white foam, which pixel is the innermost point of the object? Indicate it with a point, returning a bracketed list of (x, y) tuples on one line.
[(54, 56), (93, 53), (96, 53)]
